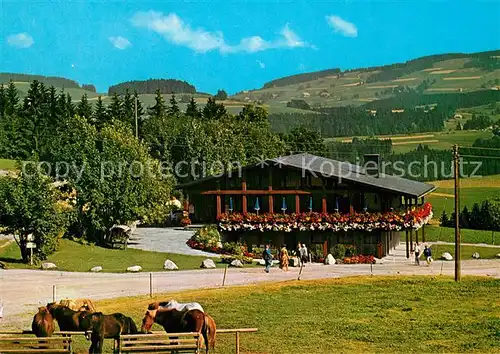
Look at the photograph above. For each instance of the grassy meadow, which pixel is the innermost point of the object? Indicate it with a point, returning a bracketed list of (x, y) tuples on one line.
[(6, 164), (349, 315), (447, 234), (75, 257), (465, 251), (472, 190)]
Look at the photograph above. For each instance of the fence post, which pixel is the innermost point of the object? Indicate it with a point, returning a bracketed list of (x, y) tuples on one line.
[(371, 268), (237, 342), (224, 278), (150, 285), (53, 293)]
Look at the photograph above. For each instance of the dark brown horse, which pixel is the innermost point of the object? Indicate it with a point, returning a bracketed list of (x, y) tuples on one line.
[(174, 321), (67, 319), (105, 326), (43, 323)]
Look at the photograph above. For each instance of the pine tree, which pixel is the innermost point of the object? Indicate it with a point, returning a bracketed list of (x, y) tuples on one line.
[(444, 219), (192, 109), (213, 110), (3, 99), (173, 109), (158, 110), (70, 107), (12, 99), (100, 115), (140, 113), (128, 108), (84, 108), (35, 113), (115, 108), (62, 106)]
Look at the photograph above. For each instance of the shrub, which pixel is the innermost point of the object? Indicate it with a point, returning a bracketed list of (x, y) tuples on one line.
[(338, 251), (208, 235), (234, 248), (185, 222)]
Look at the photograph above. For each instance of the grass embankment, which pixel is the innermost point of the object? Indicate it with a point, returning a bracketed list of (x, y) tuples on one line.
[(358, 314), (76, 257), (466, 251), (9, 165), (447, 234)]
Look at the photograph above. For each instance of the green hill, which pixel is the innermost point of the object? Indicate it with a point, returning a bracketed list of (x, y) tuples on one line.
[(445, 73)]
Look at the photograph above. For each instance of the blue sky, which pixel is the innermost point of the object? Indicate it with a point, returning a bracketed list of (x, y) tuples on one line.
[(234, 45)]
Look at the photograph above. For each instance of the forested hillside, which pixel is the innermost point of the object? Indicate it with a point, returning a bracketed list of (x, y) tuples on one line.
[(55, 81), (150, 86)]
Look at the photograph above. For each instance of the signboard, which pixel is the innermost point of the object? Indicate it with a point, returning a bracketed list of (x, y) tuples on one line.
[(30, 245), (30, 237)]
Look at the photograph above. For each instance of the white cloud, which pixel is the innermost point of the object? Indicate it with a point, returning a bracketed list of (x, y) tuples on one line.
[(120, 42), (20, 40), (176, 30), (346, 28), (261, 64)]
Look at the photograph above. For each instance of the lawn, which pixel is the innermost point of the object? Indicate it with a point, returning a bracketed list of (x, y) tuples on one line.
[(350, 315), (466, 251), (75, 257), (6, 164), (447, 234)]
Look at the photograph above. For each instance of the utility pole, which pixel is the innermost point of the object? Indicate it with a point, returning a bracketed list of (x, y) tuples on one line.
[(456, 164), (136, 125)]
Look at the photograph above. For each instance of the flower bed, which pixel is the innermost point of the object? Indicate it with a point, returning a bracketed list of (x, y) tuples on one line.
[(413, 219), (359, 260)]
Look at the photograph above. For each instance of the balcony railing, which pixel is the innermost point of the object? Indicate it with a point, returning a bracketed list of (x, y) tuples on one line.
[(388, 221)]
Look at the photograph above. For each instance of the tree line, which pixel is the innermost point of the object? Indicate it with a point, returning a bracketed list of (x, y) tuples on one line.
[(483, 216), (151, 86)]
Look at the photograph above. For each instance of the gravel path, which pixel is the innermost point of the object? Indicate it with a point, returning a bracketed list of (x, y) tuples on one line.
[(172, 240), (22, 291)]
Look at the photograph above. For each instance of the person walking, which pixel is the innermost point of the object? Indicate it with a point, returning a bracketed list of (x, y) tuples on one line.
[(284, 258), (268, 258), (417, 254), (303, 254), (428, 255)]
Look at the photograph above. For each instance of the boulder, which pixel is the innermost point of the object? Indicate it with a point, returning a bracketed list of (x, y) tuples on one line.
[(48, 265), (96, 269), (134, 269), (294, 262), (476, 255), (236, 263), (261, 262), (208, 264), (498, 255), (169, 265), (329, 260), (446, 256)]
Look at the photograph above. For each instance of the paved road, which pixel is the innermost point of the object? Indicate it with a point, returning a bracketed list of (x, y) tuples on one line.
[(23, 291), (172, 240)]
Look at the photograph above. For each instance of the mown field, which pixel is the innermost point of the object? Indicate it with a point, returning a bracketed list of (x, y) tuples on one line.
[(465, 251), (472, 190), (349, 315), (437, 140), (447, 234), (75, 257)]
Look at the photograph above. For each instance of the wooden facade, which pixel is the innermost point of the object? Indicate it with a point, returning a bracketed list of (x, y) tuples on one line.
[(279, 187)]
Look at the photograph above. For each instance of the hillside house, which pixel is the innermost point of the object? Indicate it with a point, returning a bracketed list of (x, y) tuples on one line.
[(313, 200), (306, 94)]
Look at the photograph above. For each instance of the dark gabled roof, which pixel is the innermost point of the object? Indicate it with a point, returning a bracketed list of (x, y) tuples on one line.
[(326, 167), (354, 173)]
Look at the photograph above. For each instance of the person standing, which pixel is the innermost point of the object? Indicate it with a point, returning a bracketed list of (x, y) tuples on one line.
[(428, 255), (303, 254), (417, 254), (284, 258), (268, 258)]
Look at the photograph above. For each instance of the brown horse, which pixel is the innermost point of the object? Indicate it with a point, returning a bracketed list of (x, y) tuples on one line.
[(67, 319), (174, 321), (43, 323), (105, 326)]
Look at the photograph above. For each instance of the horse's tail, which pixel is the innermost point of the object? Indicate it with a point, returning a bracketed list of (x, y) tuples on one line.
[(210, 330)]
